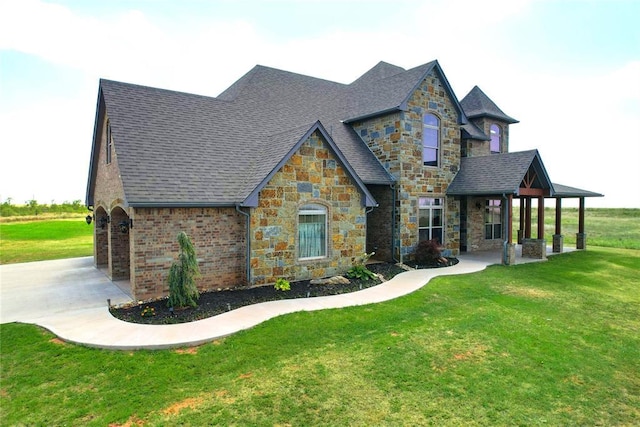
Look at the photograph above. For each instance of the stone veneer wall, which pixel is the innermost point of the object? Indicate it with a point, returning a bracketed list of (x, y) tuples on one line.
[(312, 175), (396, 140), (379, 224), (483, 148), (475, 227), (218, 235)]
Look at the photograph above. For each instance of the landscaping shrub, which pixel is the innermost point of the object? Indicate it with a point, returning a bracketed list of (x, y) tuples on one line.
[(182, 275), (427, 252)]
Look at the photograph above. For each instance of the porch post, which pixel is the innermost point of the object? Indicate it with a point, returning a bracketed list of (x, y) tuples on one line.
[(527, 223), (557, 237), (581, 237), (521, 228), (540, 218), (509, 252)]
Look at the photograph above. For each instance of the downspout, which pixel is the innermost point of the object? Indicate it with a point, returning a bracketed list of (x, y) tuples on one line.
[(248, 239), (505, 221), (393, 224)]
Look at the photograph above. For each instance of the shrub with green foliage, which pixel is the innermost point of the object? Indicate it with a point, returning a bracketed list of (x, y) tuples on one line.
[(359, 270), (182, 284), (427, 252), (282, 284)]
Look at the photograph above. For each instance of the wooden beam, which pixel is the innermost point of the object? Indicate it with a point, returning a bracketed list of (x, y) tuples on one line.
[(541, 218), (527, 221), (558, 216), (533, 192)]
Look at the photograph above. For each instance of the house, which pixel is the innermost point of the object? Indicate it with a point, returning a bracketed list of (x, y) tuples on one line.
[(286, 175)]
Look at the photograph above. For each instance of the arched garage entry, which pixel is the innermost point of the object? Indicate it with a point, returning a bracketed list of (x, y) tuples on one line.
[(119, 235)]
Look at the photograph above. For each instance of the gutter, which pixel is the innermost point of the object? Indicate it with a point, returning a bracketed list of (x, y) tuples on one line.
[(248, 239)]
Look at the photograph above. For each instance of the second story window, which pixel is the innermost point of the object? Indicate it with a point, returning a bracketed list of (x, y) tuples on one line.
[(430, 140), (495, 139), (108, 142)]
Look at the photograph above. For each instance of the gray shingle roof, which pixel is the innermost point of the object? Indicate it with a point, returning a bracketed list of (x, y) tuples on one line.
[(478, 104), (566, 191), (180, 149), (471, 131), (497, 174)]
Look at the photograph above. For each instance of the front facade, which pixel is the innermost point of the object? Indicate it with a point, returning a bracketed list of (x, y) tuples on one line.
[(321, 173)]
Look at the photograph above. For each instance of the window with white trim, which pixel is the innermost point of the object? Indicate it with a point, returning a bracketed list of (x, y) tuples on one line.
[(312, 232), (430, 219), (495, 139), (493, 219), (430, 140)]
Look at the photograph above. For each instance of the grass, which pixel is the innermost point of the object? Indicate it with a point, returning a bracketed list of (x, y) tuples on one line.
[(552, 343), (45, 239), (615, 228)]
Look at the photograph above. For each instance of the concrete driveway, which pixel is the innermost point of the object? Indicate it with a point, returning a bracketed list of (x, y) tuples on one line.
[(38, 290)]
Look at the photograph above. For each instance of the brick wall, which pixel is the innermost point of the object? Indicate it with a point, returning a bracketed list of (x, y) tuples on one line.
[(476, 240), (218, 235), (312, 175), (397, 141)]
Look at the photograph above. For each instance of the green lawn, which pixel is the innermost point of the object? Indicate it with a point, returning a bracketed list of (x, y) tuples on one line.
[(553, 343), (45, 239), (616, 228)]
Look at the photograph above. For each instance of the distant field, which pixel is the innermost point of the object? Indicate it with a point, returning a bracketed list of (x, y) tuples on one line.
[(614, 228), (45, 239)]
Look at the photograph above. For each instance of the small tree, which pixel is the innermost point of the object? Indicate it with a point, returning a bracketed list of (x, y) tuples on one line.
[(182, 275)]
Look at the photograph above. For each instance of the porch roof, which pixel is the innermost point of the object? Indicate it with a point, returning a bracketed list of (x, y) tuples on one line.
[(498, 174), (562, 191)]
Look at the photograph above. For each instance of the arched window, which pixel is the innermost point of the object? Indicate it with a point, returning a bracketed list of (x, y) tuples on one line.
[(430, 140), (109, 142), (312, 232), (495, 139)]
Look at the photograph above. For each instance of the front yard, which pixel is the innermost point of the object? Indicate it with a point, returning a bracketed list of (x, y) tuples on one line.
[(552, 343)]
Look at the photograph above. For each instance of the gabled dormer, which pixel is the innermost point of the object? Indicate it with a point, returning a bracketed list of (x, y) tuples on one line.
[(488, 129)]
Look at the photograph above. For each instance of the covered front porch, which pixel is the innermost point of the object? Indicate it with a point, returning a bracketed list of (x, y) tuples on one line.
[(495, 256), (488, 186)]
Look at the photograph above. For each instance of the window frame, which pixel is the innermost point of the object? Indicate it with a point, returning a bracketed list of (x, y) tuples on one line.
[(108, 142), (434, 204), (313, 209), (425, 147), (493, 213), (497, 139)]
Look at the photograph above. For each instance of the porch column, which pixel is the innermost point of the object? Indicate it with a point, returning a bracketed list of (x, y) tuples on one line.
[(540, 218), (581, 237), (509, 252), (521, 228), (558, 242), (527, 220)]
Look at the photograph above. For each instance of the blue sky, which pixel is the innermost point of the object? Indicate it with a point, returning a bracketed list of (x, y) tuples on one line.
[(568, 70)]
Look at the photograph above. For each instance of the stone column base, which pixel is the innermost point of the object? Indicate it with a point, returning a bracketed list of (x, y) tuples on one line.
[(581, 240), (509, 258), (534, 248), (558, 243)]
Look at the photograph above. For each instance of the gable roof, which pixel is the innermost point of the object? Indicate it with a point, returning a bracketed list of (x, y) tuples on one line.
[(478, 104), (498, 174), (370, 98), (180, 149)]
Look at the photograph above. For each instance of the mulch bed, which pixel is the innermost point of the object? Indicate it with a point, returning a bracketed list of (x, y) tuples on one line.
[(212, 303)]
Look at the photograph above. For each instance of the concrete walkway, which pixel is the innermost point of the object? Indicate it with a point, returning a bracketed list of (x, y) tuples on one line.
[(69, 298)]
